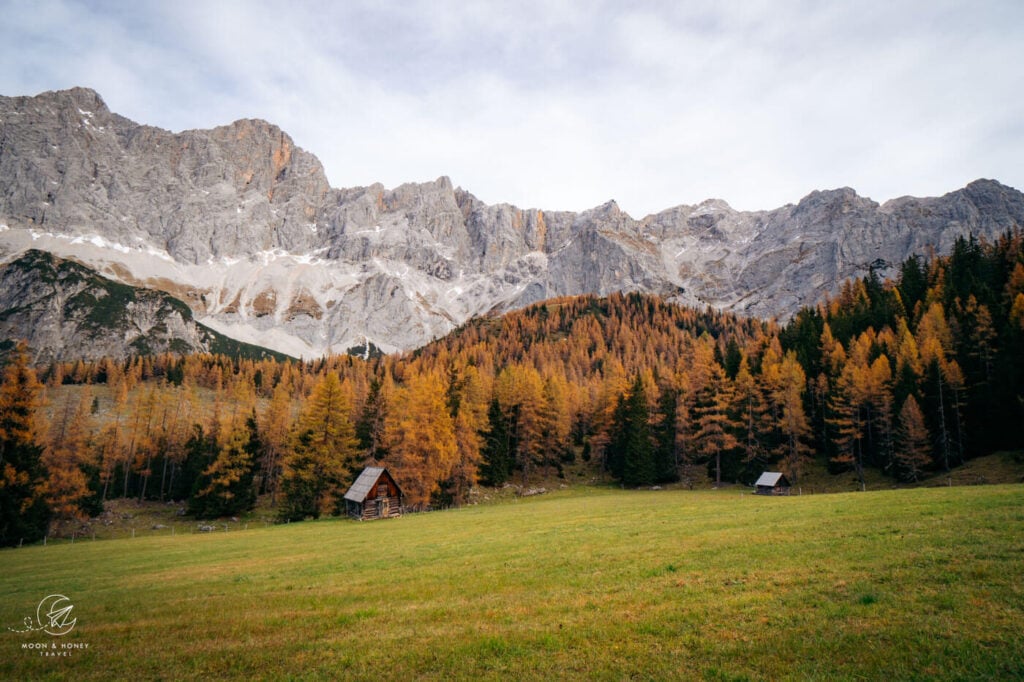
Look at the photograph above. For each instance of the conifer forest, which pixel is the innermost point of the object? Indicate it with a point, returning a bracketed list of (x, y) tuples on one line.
[(905, 374)]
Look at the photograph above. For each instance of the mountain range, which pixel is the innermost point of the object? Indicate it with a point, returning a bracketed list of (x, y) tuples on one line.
[(243, 227)]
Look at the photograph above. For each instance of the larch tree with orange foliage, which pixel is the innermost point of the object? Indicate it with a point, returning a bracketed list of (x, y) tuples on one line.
[(751, 412), (109, 446), (69, 459), (935, 341), (470, 422), (318, 468), (24, 514), (274, 425), (226, 486), (913, 451), (419, 434), (715, 428), (793, 424), (557, 422), (520, 392), (844, 425)]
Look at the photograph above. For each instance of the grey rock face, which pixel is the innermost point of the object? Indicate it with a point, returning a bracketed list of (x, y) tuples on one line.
[(67, 164), (242, 225)]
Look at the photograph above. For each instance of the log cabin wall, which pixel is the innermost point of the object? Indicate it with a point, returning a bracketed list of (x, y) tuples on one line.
[(381, 508), (374, 495), (383, 501)]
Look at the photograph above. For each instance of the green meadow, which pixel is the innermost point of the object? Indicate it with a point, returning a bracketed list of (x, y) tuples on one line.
[(588, 583)]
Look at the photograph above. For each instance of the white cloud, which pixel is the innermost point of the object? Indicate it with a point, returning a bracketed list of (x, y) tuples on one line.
[(565, 105)]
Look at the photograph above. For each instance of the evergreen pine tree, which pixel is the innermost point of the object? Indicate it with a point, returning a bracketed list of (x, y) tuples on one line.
[(638, 447), (369, 428), (200, 450), (666, 455), (499, 447), (618, 436)]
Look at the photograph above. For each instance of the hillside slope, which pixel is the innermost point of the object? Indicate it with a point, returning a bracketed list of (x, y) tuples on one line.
[(65, 310)]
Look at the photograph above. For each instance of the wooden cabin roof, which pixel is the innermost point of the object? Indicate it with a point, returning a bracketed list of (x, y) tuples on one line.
[(364, 484), (771, 479)]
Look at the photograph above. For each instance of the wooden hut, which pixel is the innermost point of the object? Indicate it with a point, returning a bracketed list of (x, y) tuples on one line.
[(772, 483), (374, 495)]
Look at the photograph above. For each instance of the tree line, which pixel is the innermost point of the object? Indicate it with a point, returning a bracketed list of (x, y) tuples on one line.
[(906, 375)]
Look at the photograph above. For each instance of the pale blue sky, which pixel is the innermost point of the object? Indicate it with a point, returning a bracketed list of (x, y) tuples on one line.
[(564, 105)]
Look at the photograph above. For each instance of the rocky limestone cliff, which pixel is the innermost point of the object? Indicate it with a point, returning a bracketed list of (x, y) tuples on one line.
[(242, 225), (67, 163)]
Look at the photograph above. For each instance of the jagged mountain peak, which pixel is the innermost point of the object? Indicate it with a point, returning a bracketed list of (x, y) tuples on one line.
[(844, 198), (715, 205), (242, 225), (986, 184), (78, 96), (608, 208), (991, 192)]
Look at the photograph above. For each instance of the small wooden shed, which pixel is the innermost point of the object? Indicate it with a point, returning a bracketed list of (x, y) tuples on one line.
[(772, 483), (374, 495)]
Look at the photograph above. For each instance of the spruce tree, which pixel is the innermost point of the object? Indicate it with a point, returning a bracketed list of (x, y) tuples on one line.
[(200, 450), (631, 448), (615, 450), (666, 465), (499, 446), (369, 427), (638, 447)]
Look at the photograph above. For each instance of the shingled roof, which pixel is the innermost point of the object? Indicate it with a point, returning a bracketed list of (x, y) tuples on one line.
[(361, 488)]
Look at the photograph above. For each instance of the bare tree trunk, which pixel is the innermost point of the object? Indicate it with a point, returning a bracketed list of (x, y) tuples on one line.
[(943, 433)]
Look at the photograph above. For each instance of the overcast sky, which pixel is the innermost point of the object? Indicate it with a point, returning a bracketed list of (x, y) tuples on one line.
[(564, 105)]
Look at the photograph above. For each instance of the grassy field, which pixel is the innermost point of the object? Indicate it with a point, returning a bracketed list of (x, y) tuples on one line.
[(585, 583)]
